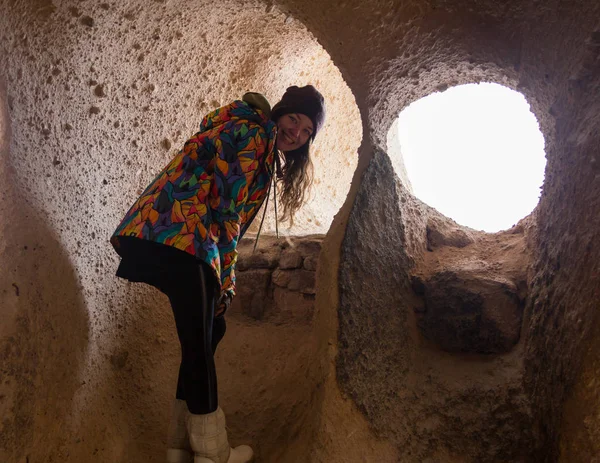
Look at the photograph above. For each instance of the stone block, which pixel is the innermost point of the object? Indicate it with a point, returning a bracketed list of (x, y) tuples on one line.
[(262, 258), (309, 246), (302, 281), (310, 262), (281, 277), (290, 259)]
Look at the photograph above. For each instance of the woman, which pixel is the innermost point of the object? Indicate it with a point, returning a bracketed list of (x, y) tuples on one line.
[(181, 235)]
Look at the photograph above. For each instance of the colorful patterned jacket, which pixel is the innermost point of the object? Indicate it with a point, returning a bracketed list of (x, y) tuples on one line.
[(203, 201)]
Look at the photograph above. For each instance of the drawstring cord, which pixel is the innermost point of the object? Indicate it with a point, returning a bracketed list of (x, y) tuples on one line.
[(275, 203), (274, 184), (263, 218), (278, 174)]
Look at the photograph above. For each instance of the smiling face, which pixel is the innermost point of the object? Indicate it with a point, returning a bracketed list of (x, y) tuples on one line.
[(293, 131)]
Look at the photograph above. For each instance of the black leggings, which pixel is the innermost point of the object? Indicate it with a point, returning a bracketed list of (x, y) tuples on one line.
[(193, 298), (192, 290)]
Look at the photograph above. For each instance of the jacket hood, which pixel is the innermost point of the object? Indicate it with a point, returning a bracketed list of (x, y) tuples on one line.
[(253, 107)]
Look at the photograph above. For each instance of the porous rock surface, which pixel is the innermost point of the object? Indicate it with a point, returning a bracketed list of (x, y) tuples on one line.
[(473, 297), (96, 96), (408, 319)]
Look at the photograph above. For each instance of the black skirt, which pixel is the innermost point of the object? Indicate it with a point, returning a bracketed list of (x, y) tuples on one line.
[(154, 263)]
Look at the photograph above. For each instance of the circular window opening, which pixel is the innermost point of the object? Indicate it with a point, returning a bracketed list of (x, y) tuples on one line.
[(474, 152)]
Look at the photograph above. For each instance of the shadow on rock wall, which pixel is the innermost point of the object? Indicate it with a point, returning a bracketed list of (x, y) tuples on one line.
[(44, 330)]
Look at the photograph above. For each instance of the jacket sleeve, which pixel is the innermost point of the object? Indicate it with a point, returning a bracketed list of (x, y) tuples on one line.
[(239, 149)]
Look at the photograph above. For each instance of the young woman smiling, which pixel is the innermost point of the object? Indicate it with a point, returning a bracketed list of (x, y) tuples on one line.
[(181, 236)]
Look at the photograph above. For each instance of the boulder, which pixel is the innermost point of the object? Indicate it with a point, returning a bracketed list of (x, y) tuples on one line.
[(469, 312)]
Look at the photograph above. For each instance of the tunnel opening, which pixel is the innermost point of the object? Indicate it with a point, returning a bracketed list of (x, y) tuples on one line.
[(445, 293), (473, 152)]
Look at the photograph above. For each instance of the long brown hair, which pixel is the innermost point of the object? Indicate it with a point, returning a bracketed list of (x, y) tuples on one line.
[(296, 180)]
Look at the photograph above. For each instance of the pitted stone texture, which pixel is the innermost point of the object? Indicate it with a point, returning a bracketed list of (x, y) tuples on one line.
[(45, 327), (433, 405), (466, 311)]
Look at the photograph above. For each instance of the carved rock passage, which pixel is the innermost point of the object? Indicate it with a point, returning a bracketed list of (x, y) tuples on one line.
[(550, 54), (434, 406), (98, 94)]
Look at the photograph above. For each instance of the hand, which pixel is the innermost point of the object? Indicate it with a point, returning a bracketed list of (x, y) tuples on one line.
[(223, 303)]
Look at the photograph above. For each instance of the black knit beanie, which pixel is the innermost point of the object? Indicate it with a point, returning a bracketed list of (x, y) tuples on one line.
[(304, 100)]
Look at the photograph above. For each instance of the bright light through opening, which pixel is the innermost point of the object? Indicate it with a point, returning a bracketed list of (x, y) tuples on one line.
[(475, 153)]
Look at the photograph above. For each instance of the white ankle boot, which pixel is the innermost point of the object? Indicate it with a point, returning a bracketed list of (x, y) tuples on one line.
[(178, 443), (208, 438)]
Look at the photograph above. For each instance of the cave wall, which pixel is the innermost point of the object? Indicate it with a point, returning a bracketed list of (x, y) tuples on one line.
[(562, 351), (549, 53), (97, 96), (45, 324), (428, 330)]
